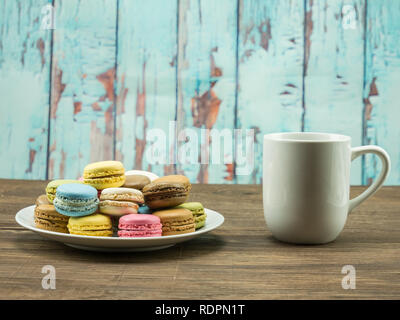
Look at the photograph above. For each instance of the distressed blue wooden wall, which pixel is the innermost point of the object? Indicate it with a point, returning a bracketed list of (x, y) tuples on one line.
[(112, 70)]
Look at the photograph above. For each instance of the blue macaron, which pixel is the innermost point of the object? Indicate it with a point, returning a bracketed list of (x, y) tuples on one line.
[(76, 200)]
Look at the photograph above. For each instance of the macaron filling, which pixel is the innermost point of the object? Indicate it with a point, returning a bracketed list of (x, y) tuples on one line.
[(104, 180), (118, 208), (104, 174), (75, 206), (75, 202), (138, 227)]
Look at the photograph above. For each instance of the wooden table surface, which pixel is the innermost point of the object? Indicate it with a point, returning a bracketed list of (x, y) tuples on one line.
[(240, 260)]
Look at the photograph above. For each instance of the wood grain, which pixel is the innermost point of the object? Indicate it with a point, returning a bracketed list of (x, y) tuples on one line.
[(146, 76), (82, 97), (24, 89), (240, 260), (334, 70), (206, 89), (382, 80), (270, 71)]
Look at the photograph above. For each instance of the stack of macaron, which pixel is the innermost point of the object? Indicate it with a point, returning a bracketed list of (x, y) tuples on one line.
[(109, 201)]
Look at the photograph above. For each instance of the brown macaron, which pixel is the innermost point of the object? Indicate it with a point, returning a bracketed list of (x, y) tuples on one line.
[(167, 191), (47, 218), (176, 221), (42, 199), (136, 181)]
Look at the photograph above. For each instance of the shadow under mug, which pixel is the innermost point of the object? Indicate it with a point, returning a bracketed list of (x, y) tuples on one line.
[(306, 184)]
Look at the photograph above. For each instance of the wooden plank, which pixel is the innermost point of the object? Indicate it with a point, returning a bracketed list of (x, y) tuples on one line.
[(24, 89), (382, 83), (82, 97), (147, 49), (206, 86), (239, 259), (270, 71), (334, 70)]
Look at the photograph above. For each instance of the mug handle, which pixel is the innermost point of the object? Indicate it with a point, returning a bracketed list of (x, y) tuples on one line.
[(383, 155)]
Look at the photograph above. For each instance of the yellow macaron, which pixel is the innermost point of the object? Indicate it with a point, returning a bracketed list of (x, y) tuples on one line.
[(104, 174), (96, 224)]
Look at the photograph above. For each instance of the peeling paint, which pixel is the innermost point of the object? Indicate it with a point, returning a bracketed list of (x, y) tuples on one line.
[(62, 164), (265, 32), (40, 45), (202, 176), (373, 91), (309, 30), (230, 169), (120, 112), (100, 148), (32, 154), (83, 89), (121, 99), (173, 61), (215, 71), (96, 106), (247, 54), (77, 107), (247, 32), (368, 109), (23, 52), (141, 112), (107, 80), (24, 91), (109, 122), (50, 168), (57, 90), (205, 109), (381, 90)]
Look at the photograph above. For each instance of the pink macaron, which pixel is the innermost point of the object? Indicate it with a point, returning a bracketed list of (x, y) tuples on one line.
[(139, 225)]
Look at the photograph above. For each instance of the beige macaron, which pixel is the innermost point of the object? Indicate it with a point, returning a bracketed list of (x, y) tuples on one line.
[(176, 221), (120, 201)]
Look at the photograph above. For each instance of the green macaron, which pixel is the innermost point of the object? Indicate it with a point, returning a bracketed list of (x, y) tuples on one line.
[(198, 212)]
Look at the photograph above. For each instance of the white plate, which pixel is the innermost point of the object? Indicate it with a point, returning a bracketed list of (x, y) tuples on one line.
[(25, 218)]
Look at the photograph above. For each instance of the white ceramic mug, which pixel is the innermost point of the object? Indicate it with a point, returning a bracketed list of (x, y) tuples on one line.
[(306, 184)]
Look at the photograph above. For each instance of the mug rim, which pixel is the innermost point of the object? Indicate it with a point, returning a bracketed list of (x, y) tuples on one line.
[(307, 137)]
